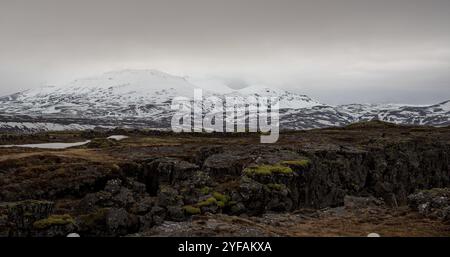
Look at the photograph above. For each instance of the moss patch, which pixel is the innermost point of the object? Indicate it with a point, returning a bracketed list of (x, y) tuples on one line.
[(207, 202), (296, 163), (191, 210), (277, 187), (221, 204), (220, 197), (267, 170), (222, 200), (54, 220)]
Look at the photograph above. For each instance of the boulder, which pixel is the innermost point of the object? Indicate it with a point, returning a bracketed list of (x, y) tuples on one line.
[(172, 170), (432, 203), (107, 222)]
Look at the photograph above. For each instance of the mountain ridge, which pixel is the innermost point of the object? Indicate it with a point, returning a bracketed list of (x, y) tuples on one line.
[(141, 98)]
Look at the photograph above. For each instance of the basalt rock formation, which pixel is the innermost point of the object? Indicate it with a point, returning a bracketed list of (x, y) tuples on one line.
[(134, 185)]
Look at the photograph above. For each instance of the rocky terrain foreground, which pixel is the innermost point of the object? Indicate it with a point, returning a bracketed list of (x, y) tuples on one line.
[(367, 177)]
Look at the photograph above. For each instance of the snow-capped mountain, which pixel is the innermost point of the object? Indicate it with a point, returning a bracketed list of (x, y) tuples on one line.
[(434, 115), (141, 98), (287, 100), (128, 93)]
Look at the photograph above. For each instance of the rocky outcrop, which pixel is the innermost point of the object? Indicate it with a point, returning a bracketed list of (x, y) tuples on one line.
[(107, 222), (171, 170), (225, 164), (434, 203), (50, 177), (54, 225), (391, 173), (19, 217), (82, 191)]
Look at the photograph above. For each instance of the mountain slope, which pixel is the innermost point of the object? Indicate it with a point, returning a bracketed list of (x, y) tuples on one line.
[(124, 93), (434, 115), (141, 98)]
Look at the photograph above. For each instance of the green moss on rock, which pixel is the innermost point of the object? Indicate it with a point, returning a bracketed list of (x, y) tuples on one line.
[(54, 220), (276, 187), (191, 210), (219, 196), (207, 202), (267, 170)]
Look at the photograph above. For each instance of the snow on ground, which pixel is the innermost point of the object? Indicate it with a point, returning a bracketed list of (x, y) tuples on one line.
[(50, 145), (117, 137)]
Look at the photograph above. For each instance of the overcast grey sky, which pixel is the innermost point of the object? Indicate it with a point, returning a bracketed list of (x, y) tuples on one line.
[(337, 51)]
